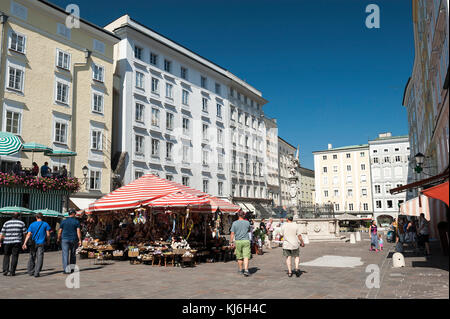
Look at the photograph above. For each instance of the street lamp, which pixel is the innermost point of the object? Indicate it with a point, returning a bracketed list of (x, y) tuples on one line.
[(419, 157), (85, 170)]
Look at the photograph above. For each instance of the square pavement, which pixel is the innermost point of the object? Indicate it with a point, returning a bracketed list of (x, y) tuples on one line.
[(421, 278)]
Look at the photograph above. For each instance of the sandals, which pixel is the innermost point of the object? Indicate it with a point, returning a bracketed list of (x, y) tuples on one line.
[(289, 274)]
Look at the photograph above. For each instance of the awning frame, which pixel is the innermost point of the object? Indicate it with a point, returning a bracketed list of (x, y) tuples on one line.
[(427, 182)]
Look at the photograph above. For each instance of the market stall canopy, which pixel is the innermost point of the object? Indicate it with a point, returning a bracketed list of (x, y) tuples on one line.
[(60, 153), (142, 192), (82, 203), (243, 207), (178, 199), (16, 209), (415, 206), (35, 148), (346, 216), (9, 143), (438, 192), (251, 207), (49, 213)]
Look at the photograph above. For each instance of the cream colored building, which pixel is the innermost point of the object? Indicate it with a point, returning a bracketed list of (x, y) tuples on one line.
[(306, 187), (56, 89), (342, 178)]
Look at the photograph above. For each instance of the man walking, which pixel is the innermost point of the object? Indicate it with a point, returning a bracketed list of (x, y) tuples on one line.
[(39, 231), (292, 240), (240, 239), (70, 232), (12, 235)]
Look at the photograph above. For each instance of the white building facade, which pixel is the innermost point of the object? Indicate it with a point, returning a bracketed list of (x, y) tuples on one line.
[(272, 176), (184, 118), (389, 165)]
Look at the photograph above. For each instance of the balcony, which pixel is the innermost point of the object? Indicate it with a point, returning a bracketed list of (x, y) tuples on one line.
[(53, 183)]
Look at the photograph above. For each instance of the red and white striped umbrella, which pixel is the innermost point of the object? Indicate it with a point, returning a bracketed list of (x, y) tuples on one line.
[(178, 199)]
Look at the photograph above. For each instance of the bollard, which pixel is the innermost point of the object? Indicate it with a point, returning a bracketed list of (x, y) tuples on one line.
[(305, 239), (358, 236), (352, 238), (398, 260)]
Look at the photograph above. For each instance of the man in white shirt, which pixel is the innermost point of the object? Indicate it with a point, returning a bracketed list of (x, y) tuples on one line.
[(292, 240)]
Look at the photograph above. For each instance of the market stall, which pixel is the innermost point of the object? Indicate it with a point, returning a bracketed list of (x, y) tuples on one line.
[(158, 222)]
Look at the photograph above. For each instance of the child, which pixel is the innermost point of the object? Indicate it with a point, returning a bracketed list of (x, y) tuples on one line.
[(380, 242)]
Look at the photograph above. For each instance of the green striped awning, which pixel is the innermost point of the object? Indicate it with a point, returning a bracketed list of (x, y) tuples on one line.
[(49, 213), (60, 153), (9, 143), (16, 209), (35, 147)]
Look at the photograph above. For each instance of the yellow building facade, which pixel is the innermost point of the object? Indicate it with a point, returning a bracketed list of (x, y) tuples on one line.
[(56, 89)]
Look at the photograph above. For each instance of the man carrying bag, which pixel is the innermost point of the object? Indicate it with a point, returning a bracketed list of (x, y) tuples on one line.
[(38, 231)]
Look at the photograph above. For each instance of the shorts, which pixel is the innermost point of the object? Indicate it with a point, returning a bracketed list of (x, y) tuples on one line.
[(291, 252), (242, 249)]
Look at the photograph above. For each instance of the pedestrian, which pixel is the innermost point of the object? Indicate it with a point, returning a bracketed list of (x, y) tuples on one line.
[(401, 230), (292, 240), (424, 233), (380, 242), (35, 169), (269, 228), (373, 236), (39, 231), (12, 234), (262, 225), (411, 233), (240, 239), (70, 233)]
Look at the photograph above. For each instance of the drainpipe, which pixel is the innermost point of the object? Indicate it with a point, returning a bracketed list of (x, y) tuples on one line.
[(87, 55), (3, 19)]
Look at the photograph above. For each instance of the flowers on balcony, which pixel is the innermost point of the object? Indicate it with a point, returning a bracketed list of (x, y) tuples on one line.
[(70, 184)]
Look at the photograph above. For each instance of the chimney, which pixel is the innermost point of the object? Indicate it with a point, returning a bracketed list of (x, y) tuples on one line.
[(330, 146)]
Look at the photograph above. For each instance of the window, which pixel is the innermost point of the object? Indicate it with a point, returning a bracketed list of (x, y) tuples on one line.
[(155, 117), (138, 52), (62, 92), (219, 136), (139, 112), (397, 158), (217, 89), (386, 150), (153, 58), (185, 97), (336, 193), (167, 65), (246, 142), (363, 167), (335, 180), (240, 117), (205, 132), (378, 204), (335, 169), (205, 157), (185, 125), (375, 151), (364, 192), (169, 177), (60, 132), (349, 168), (140, 80), (15, 79), (155, 147), (96, 140), (155, 85), (13, 122), (98, 72), (220, 160), (94, 179), (169, 90), (205, 105), (324, 157), (362, 154), (389, 204), (325, 180), (183, 73), (375, 160), (336, 207), (220, 188), (185, 180), (247, 120), (396, 149), (185, 153), (363, 178), (347, 155), (335, 156), (205, 186), (325, 169), (377, 189), (138, 174), (169, 121), (169, 148), (17, 42), (350, 192), (139, 143), (253, 123), (219, 110), (325, 193), (387, 188), (203, 82), (366, 206), (62, 60), (97, 103), (62, 30), (350, 206)]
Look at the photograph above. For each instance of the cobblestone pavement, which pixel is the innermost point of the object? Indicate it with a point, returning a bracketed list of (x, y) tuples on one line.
[(419, 279)]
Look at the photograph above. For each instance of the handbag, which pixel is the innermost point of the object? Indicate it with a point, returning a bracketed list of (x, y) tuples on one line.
[(32, 241)]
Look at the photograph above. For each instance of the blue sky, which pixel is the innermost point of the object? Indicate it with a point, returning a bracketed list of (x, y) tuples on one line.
[(327, 77)]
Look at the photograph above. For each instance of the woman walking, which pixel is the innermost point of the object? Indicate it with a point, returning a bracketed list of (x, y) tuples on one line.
[(373, 236)]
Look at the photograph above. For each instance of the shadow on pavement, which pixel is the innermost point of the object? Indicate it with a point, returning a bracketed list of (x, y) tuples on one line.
[(253, 270)]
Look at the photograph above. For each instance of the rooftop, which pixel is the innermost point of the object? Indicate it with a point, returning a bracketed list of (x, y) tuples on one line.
[(343, 148)]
